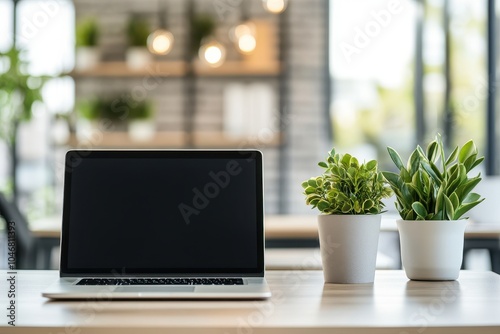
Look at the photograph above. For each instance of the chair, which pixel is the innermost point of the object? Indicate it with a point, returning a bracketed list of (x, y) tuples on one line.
[(25, 241), (486, 213)]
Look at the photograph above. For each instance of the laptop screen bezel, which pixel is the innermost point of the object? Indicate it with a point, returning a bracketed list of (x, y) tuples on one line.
[(74, 156)]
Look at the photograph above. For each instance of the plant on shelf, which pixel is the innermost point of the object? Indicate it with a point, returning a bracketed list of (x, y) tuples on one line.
[(202, 26), (87, 52), (114, 109), (349, 195), (433, 192), (87, 33), (138, 30), (19, 93)]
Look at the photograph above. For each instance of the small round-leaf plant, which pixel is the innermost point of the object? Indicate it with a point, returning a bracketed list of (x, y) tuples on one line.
[(347, 187), (432, 186)]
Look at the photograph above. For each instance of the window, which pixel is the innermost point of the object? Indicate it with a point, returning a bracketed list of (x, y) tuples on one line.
[(375, 49), (45, 34)]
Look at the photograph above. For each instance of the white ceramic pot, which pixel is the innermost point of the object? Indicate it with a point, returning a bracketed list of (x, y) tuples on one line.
[(432, 249), (138, 57), (141, 130), (349, 246), (87, 58)]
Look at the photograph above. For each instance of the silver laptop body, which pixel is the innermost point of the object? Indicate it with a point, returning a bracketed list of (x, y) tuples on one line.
[(162, 224)]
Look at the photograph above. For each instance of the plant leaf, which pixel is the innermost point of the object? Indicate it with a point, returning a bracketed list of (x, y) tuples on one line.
[(322, 164), (477, 162), (310, 190), (454, 200), (467, 150), (464, 189), (323, 205), (419, 209), (371, 164), (452, 157), (471, 197), (432, 150), (431, 173), (395, 157), (464, 208), (450, 211)]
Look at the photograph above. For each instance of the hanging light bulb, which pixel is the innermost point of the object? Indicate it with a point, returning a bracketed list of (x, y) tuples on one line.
[(275, 6), (212, 53), (160, 42), (243, 36)]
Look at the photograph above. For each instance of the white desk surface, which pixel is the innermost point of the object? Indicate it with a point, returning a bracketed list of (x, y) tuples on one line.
[(301, 303)]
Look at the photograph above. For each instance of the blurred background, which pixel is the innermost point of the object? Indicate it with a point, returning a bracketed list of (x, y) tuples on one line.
[(291, 77)]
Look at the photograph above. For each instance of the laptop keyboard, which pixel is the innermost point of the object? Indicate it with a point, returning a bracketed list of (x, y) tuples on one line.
[(160, 281)]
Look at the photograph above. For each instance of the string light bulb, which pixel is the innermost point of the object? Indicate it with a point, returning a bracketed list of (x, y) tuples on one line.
[(243, 36), (212, 53), (275, 6), (160, 42)]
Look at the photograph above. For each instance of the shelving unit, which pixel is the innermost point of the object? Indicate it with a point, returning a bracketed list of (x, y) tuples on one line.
[(265, 65)]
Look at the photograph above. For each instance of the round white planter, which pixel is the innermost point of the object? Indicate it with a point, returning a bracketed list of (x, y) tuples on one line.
[(87, 58), (348, 246), (141, 130), (138, 57), (432, 249)]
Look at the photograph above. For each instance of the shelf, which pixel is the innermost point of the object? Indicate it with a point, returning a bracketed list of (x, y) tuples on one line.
[(120, 69), (170, 140), (238, 68), (123, 140)]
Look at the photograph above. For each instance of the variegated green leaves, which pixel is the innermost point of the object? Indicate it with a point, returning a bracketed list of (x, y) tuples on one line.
[(346, 186), (433, 187)]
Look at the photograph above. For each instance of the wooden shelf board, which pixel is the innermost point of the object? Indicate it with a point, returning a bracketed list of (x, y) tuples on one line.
[(171, 140), (221, 140), (121, 69), (123, 140), (238, 68), (117, 69)]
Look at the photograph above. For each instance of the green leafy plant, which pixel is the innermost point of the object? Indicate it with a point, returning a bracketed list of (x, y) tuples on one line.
[(432, 186), (87, 33), (202, 25), (19, 92), (346, 186), (138, 31), (117, 109)]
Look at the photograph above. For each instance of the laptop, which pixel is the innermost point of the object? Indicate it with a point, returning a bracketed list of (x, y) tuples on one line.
[(162, 224)]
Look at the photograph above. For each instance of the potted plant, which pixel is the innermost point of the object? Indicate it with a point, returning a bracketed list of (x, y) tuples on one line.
[(138, 55), (349, 196), (87, 53), (107, 114), (433, 192), (141, 126)]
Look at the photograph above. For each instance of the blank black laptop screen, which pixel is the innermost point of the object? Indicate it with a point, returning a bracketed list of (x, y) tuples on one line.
[(171, 212)]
